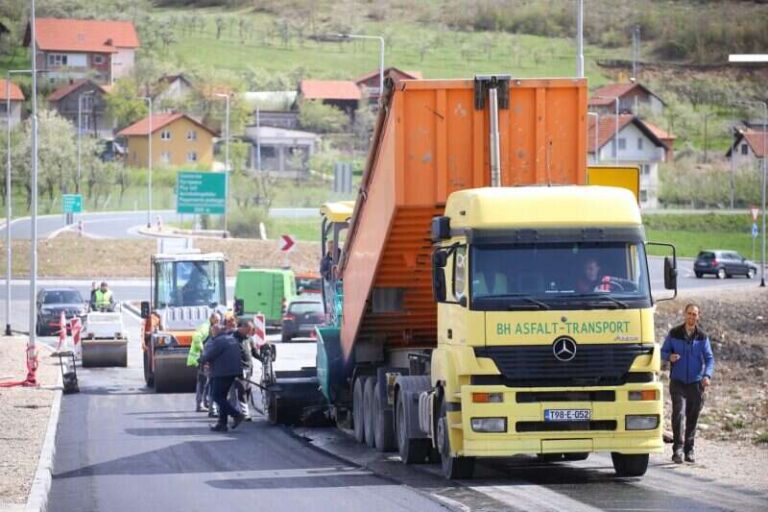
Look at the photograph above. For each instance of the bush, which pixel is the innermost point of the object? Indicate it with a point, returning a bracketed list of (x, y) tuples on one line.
[(318, 117), (244, 223)]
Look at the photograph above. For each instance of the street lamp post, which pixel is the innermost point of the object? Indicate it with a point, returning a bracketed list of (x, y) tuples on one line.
[(226, 157), (8, 250), (616, 135), (80, 134), (381, 57), (33, 186), (597, 133), (763, 104), (148, 99)]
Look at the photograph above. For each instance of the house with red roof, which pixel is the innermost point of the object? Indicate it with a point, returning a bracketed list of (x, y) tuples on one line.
[(11, 99), (748, 147), (632, 97), (84, 104), (636, 143), (177, 140), (369, 82), (342, 94), (73, 49)]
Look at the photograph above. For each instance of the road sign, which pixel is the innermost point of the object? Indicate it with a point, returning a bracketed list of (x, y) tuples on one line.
[(72, 203), (754, 211), (754, 230), (201, 192), (287, 243)]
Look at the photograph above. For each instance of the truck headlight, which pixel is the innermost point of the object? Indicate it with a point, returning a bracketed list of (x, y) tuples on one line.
[(489, 424), (649, 422)]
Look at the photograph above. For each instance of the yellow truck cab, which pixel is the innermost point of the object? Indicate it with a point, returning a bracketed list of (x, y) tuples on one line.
[(545, 329)]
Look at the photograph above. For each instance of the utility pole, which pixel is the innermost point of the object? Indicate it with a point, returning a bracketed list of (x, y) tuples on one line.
[(33, 186), (580, 39)]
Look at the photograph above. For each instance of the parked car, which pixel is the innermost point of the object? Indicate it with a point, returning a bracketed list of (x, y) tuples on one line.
[(51, 302), (301, 317), (723, 264)]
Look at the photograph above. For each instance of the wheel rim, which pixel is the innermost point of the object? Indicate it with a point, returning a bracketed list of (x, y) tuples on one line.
[(720, 274), (750, 273)]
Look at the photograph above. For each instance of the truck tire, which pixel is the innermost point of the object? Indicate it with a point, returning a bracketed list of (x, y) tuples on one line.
[(412, 451), (454, 468), (368, 418), (149, 378), (629, 465), (358, 422), (383, 429)]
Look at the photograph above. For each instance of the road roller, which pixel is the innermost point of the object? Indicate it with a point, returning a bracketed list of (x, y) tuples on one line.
[(103, 339)]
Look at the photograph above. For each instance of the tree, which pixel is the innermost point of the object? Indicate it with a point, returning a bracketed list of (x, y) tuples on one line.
[(316, 116), (124, 104)]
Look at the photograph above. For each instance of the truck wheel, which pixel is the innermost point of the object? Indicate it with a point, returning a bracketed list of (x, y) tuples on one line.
[(383, 430), (358, 421), (149, 378), (412, 451), (629, 465), (368, 418), (454, 468)]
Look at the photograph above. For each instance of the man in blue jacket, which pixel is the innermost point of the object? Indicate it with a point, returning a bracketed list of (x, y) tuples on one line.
[(223, 354), (689, 353)]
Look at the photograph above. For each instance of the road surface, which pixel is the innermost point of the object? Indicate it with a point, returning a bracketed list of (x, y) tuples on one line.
[(97, 225)]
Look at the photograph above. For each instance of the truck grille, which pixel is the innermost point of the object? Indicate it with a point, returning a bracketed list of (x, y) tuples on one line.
[(535, 365), (564, 426)]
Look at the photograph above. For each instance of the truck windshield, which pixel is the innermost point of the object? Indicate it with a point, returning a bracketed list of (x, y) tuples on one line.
[(572, 275), (189, 283)]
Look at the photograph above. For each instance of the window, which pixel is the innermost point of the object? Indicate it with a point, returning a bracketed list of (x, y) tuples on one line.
[(744, 149), (643, 196), (3, 110), (639, 143), (98, 59), (645, 169), (192, 135), (165, 135), (191, 156), (459, 271), (165, 157), (57, 59), (622, 143)]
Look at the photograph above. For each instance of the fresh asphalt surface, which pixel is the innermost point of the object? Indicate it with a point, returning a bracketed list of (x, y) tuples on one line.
[(121, 447)]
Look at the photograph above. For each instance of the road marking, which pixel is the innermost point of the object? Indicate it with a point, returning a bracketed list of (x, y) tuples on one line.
[(534, 497)]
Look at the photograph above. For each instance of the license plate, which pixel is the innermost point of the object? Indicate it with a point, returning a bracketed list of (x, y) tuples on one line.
[(567, 414)]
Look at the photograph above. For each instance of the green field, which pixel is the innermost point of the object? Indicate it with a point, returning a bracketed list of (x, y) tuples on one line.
[(435, 52), (689, 243)]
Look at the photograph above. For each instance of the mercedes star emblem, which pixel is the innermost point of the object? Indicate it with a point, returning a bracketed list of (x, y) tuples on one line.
[(564, 349)]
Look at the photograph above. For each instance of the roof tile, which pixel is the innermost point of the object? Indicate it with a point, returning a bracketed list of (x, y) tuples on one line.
[(16, 94), (159, 121), (85, 35), (330, 90)]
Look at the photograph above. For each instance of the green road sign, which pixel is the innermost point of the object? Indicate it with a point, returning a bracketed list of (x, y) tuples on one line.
[(201, 192), (72, 203)]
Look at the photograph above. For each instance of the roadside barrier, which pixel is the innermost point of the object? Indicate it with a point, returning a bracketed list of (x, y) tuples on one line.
[(259, 325), (31, 380)]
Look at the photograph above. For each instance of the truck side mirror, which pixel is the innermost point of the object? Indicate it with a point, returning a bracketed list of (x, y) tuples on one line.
[(438, 284), (145, 309), (239, 307), (439, 259), (441, 228), (670, 274)]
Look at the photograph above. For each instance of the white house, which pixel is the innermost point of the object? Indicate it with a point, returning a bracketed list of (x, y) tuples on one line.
[(9, 90), (280, 152), (748, 148), (637, 144)]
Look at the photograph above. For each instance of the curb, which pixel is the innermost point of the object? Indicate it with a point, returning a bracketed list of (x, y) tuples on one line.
[(41, 485)]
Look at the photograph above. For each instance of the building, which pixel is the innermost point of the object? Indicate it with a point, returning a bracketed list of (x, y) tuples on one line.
[(177, 140), (637, 144), (369, 83), (284, 153), (69, 49), (89, 99), (632, 97), (9, 90), (342, 94), (748, 147), (172, 90)]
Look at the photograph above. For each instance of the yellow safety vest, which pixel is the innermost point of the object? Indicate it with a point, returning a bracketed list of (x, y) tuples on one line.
[(103, 298)]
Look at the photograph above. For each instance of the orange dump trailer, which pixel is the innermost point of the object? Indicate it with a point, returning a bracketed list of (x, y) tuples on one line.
[(433, 138)]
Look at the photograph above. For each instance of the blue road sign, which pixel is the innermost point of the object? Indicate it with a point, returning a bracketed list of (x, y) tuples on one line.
[(754, 230)]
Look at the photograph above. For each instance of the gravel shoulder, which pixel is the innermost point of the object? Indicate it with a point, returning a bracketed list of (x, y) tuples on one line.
[(25, 412), (732, 442)]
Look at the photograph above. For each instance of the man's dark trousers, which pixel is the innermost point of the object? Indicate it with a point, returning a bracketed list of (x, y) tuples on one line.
[(687, 401), (219, 390)]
